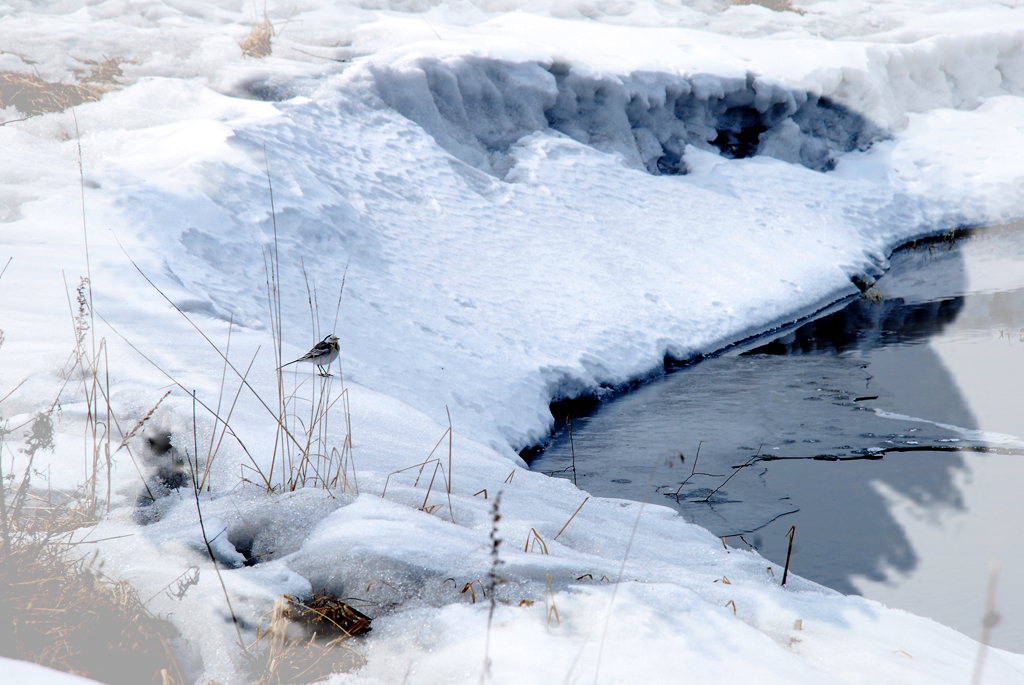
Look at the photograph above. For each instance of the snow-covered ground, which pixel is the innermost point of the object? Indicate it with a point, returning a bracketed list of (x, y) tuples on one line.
[(532, 201)]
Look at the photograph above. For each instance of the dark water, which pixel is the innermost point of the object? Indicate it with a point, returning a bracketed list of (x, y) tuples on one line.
[(883, 431)]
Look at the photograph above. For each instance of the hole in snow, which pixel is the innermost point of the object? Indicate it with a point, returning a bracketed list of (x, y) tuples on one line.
[(739, 144), (245, 545)]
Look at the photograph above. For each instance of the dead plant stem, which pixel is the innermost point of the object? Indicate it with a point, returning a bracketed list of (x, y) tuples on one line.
[(735, 471), (220, 394), (571, 518)]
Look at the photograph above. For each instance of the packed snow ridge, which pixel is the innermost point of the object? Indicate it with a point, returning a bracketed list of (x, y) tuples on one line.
[(477, 108)]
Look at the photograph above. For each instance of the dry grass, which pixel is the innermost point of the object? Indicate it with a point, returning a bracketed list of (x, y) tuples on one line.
[(306, 641), (105, 74), (56, 607), (446, 475), (257, 43), (302, 446), (57, 610), (493, 580), (327, 616), (32, 95)]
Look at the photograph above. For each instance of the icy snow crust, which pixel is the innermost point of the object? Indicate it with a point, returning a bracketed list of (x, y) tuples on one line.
[(534, 201)]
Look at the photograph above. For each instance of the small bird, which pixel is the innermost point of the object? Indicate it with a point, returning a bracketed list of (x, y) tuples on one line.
[(322, 354)]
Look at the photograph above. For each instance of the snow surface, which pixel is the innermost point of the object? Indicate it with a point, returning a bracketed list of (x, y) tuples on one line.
[(530, 204), (25, 672)]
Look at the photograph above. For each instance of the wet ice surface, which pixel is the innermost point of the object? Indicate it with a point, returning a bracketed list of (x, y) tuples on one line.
[(858, 428)]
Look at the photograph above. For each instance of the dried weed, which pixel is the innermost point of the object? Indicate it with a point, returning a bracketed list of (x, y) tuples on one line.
[(257, 43), (32, 96), (58, 611)]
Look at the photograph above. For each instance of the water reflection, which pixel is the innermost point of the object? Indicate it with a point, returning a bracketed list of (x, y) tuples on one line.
[(865, 325), (800, 409)]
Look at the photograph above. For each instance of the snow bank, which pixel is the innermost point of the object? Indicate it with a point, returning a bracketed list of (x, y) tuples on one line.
[(530, 205)]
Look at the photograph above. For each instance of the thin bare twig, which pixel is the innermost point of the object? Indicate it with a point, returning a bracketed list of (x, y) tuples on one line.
[(693, 471), (737, 470), (451, 513), (789, 552)]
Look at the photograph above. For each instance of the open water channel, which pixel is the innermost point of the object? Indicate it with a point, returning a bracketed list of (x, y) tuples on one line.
[(889, 431)]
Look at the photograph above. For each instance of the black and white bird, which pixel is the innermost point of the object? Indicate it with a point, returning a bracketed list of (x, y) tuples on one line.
[(322, 354)]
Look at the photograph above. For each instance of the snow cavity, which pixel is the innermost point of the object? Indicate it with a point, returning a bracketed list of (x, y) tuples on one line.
[(478, 108)]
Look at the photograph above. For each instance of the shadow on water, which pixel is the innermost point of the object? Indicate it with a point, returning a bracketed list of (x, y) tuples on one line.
[(829, 420)]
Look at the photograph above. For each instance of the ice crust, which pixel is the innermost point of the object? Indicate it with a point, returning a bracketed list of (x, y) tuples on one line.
[(530, 205)]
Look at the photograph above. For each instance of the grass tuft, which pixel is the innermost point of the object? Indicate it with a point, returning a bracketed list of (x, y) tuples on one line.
[(257, 43), (301, 441), (468, 587)]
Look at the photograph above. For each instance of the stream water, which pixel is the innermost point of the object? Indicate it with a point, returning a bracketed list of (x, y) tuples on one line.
[(889, 431)]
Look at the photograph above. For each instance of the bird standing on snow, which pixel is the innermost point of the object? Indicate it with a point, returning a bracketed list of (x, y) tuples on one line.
[(322, 354)]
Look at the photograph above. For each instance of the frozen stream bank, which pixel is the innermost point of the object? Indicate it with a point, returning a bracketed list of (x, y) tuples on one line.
[(886, 432)]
